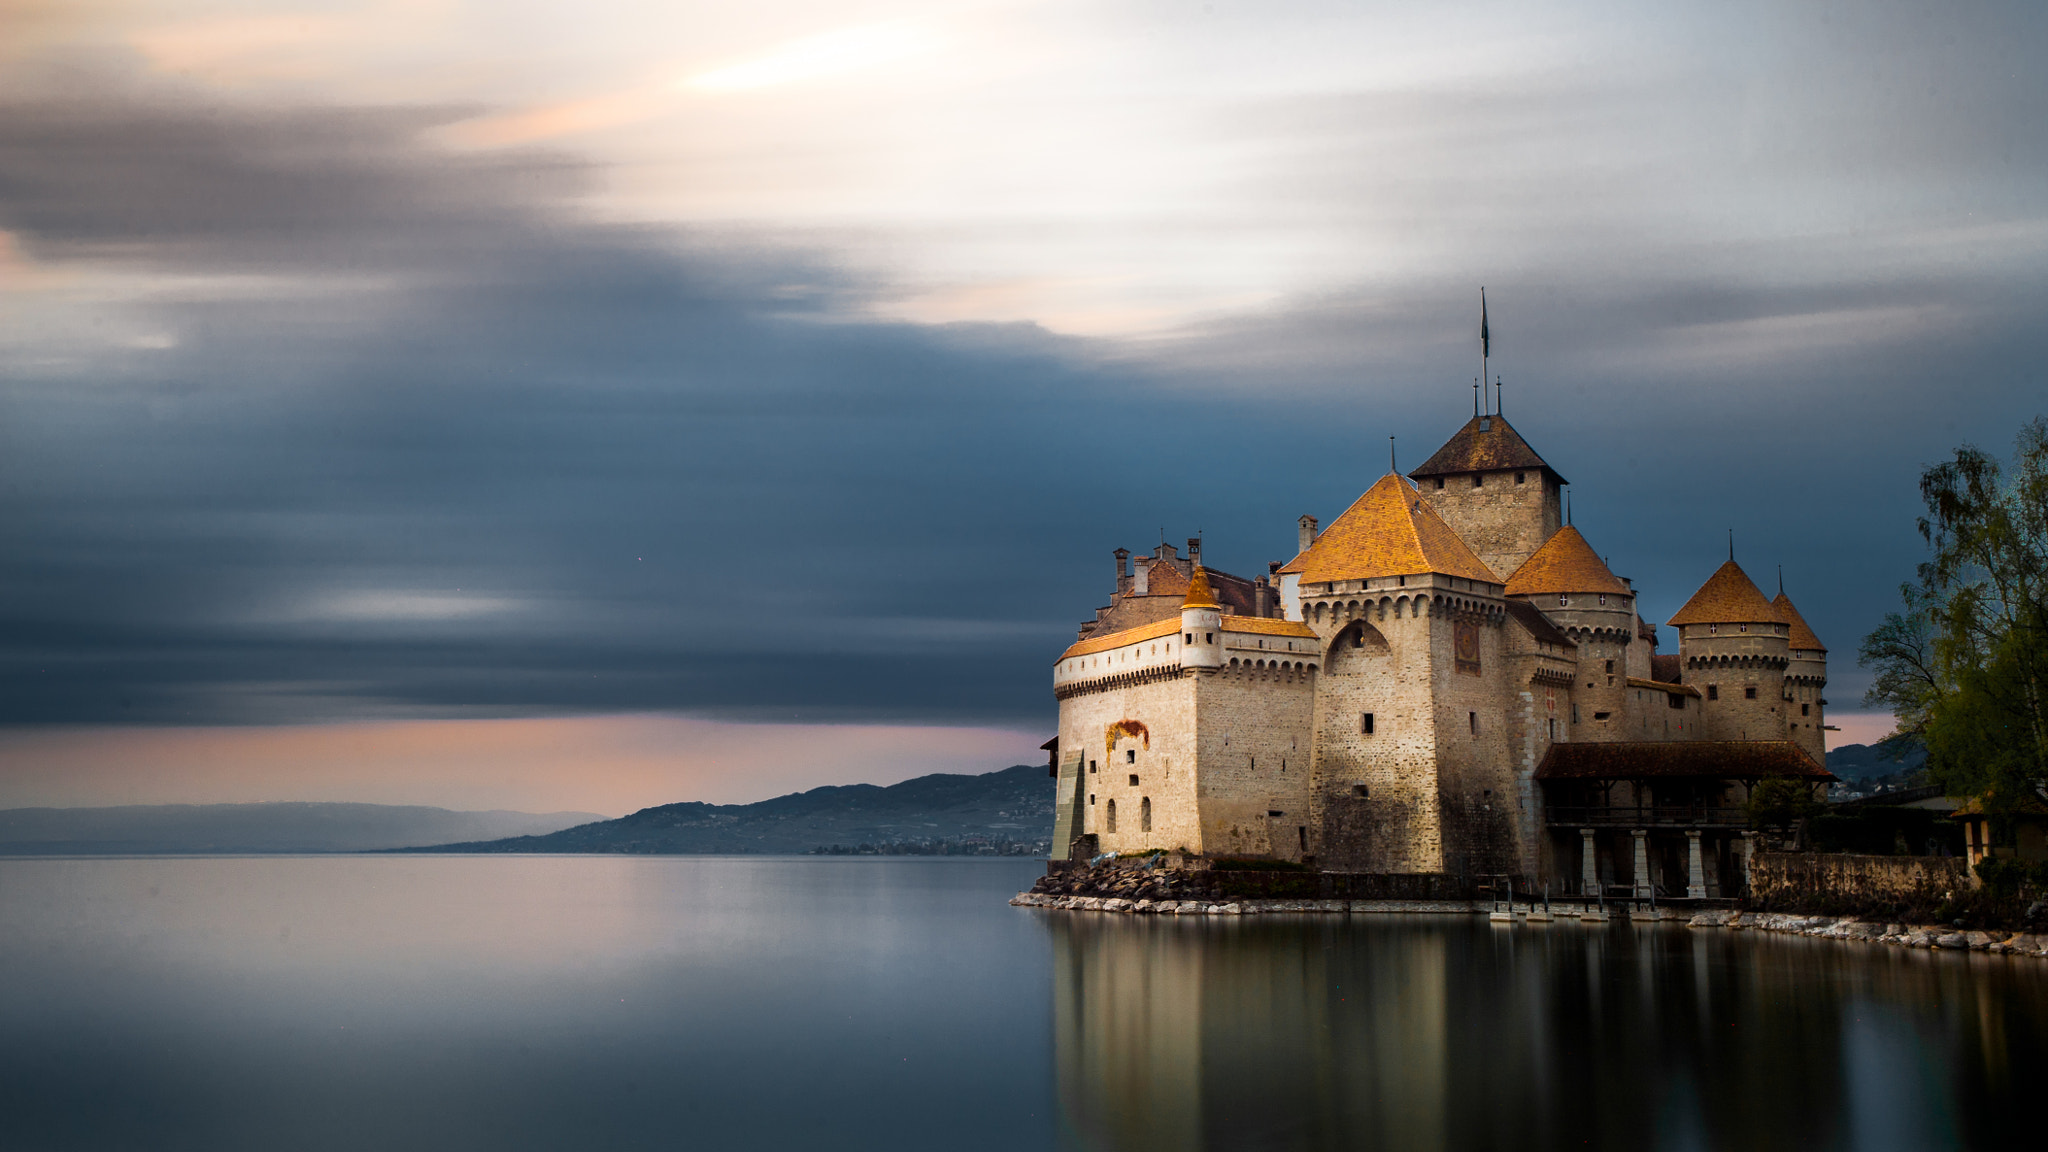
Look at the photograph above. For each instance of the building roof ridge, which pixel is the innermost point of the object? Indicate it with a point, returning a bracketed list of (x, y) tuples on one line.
[(1565, 563), (1388, 531), (1486, 443), (1803, 637), (1728, 597)]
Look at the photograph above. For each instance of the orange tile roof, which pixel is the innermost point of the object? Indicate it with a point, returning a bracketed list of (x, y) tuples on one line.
[(1164, 579), (1565, 563), (1200, 595), (1472, 449), (1728, 597), (1266, 626), (1096, 644), (1388, 531), (1802, 636)]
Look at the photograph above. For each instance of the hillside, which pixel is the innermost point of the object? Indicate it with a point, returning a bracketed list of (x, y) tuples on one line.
[(1006, 812), (1868, 762), (171, 829)]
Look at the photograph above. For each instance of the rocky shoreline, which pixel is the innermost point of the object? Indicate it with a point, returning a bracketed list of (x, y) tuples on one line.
[(1930, 936), (1924, 936)]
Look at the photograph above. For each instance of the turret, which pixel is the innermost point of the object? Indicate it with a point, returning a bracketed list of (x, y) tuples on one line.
[(1494, 491), (1567, 582), (1805, 677), (1735, 649), (1201, 625)]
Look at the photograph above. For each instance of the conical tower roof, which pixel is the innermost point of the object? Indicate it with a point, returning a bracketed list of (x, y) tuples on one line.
[(1802, 636), (1728, 597), (1484, 444), (1388, 531), (1200, 595), (1565, 563)]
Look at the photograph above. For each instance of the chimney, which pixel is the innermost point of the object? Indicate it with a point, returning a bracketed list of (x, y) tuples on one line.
[(1262, 597), (1141, 581), (1194, 551), (1123, 570), (1307, 525)]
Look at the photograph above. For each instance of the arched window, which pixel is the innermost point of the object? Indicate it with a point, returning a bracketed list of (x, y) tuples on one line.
[(1109, 816), (1145, 814)]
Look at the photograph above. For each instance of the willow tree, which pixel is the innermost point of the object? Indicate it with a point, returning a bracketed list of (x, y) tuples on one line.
[(1964, 667)]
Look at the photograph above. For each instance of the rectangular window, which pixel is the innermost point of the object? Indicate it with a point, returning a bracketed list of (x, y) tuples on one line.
[(1439, 482), (1478, 480), (1365, 723), (1601, 716), (1749, 693), (1520, 476), (1610, 665), (1091, 767), (1302, 831), (1806, 709), (1575, 713), (1271, 812), (1713, 691), (1130, 755), (1675, 700), (1473, 719), (1134, 781)]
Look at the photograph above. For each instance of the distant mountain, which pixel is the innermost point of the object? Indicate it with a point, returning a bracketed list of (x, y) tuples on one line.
[(170, 829), (1006, 812), (1868, 761)]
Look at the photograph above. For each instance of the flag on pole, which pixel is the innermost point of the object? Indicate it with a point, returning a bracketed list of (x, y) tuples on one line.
[(1485, 340)]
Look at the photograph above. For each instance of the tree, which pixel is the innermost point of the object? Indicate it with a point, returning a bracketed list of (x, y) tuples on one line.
[(1964, 667)]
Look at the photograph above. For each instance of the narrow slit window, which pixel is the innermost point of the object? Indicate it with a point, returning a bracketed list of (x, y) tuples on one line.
[(1365, 723)]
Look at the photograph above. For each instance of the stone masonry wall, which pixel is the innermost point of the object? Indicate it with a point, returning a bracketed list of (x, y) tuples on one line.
[(1394, 826), (1256, 747), (1783, 878), (1504, 522), (1163, 759), (1725, 666)]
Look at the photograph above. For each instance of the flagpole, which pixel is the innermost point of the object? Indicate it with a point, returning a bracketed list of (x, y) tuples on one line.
[(1485, 342)]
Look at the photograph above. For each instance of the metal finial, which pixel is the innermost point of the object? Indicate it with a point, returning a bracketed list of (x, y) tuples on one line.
[(1392, 466), (1567, 506), (1731, 545), (1475, 396), (1781, 579)]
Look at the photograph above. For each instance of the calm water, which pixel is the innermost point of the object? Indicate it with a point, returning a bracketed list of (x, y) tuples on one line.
[(512, 1003)]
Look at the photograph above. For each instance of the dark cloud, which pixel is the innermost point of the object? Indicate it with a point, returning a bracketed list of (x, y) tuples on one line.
[(432, 444)]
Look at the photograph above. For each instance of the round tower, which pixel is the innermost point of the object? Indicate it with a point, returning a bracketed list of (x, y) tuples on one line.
[(1201, 625), (1736, 650), (1567, 582), (1805, 676)]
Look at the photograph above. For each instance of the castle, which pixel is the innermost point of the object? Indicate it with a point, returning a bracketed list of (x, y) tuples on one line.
[(1446, 679)]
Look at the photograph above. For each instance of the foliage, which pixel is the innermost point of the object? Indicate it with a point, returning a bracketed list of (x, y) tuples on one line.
[(1781, 802), (2003, 875), (1964, 667)]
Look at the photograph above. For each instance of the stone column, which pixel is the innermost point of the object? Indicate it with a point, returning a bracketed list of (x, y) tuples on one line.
[(1643, 888), (1695, 871), (1747, 848), (1589, 865)]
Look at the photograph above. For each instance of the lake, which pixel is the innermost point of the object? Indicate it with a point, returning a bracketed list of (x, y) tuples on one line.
[(849, 1003)]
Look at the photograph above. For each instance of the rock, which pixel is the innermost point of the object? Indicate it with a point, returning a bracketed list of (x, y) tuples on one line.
[(1952, 940), (1231, 910), (1335, 905), (1979, 941), (1710, 920), (1895, 929), (1145, 906)]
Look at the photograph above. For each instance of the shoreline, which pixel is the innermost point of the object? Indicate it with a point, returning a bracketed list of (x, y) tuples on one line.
[(1848, 928)]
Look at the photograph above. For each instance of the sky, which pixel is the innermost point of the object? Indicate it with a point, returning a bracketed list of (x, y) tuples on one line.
[(695, 401)]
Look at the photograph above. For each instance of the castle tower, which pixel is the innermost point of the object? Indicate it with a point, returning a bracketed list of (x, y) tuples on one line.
[(1567, 581), (1412, 768), (1494, 491), (1735, 649), (1806, 676), (1201, 625)]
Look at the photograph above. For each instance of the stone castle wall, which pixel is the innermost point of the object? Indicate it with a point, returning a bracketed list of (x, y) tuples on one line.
[(1741, 678), (1377, 807), (1504, 522), (1256, 740)]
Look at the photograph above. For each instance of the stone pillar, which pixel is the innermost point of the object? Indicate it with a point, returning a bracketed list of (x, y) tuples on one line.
[(1746, 848), (1589, 865), (1695, 871), (1643, 887)]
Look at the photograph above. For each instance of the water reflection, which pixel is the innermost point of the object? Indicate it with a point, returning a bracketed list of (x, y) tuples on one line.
[(1425, 1033)]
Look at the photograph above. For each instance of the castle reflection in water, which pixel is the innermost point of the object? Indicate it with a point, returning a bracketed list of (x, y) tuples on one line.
[(1427, 1033)]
